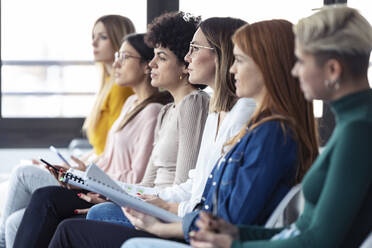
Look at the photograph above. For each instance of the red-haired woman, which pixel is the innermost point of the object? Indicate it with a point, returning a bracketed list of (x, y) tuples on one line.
[(270, 154), (333, 47)]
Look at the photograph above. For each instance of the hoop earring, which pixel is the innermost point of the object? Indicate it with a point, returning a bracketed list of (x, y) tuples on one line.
[(180, 77), (332, 85)]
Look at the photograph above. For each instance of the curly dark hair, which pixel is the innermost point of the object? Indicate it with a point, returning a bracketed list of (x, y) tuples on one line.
[(173, 30)]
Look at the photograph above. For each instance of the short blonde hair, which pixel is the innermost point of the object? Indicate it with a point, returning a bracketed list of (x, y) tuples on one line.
[(335, 28)]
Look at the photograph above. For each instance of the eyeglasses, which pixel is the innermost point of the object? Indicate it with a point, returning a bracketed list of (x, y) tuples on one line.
[(193, 47), (121, 57)]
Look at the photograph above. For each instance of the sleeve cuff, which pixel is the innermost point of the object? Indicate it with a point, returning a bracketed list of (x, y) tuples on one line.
[(188, 223)]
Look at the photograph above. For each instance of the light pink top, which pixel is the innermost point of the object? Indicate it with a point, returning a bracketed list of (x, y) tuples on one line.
[(127, 151)]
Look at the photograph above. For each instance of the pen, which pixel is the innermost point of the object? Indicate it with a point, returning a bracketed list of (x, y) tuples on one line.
[(53, 149)]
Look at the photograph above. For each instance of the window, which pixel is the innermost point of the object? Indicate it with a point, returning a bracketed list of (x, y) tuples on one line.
[(251, 11), (47, 61)]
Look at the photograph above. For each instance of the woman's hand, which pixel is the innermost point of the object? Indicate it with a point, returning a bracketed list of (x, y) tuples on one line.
[(151, 224), (207, 222), (143, 221), (58, 175), (91, 197), (157, 201), (213, 232), (207, 239), (81, 164), (35, 162)]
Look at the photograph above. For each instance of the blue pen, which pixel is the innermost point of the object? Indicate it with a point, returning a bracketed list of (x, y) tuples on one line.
[(53, 149)]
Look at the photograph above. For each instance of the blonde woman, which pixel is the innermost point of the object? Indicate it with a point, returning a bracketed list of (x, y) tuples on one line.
[(107, 35), (209, 57), (270, 154), (177, 133)]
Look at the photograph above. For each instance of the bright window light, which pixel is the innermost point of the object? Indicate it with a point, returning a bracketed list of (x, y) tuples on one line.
[(58, 31)]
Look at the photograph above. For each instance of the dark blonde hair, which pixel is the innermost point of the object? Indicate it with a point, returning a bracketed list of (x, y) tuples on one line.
[(116, 27), (218, 32), (271, 45)]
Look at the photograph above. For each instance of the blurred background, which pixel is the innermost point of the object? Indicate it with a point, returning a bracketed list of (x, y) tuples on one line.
[(48, 78)]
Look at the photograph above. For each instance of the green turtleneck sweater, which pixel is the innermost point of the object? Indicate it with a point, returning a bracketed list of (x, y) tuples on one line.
[(337, 188)]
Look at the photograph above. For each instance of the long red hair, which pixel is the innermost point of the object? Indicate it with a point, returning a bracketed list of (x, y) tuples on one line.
[(271, 45)]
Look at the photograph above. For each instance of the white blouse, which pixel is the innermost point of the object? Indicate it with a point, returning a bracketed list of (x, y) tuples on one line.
[(189, 193)]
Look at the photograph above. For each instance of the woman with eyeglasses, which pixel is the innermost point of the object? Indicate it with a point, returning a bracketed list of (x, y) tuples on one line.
[(210, 46), (333, 48), (107, 35), (129, 143), (176, 141), (273, 150), (270, 154)]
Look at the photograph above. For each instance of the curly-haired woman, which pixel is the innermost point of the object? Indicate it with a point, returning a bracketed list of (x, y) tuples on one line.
[(177, 134), (107, 34), (333, 49)]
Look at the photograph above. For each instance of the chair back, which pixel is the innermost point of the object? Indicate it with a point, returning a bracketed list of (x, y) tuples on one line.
[(367, 242), (288, 210)]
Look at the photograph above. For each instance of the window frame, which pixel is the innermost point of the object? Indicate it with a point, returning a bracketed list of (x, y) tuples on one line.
[(43, 132)]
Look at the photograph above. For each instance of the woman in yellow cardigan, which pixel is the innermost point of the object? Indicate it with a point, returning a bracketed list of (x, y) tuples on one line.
[(107, 35)]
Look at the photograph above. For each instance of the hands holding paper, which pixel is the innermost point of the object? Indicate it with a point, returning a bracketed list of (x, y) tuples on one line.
[(143, 221), (157, 201), (151, 224), (62, 170), (213, 232), (89, 197), (56, 170)]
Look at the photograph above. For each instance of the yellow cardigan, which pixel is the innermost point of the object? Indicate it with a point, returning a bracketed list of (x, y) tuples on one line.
[(110, 111)]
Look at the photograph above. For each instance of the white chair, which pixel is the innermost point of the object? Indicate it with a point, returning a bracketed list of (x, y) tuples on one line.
[(288, 210), (367, 242)]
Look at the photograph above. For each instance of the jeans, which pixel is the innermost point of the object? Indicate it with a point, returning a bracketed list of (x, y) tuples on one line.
[(108, 212), (24, 180), (152, 243)]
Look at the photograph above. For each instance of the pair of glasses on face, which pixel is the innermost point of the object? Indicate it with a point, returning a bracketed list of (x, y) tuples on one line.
[(194, 48), (121, 57)]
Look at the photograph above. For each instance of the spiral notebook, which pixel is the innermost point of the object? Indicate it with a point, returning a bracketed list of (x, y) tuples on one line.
[(94, 179), (76, 178)]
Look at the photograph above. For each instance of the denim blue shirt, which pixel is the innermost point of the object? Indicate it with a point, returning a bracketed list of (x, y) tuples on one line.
[(253, 177)]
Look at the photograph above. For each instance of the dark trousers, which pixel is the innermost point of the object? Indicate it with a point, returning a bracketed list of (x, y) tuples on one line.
[(47, 208), (89, 233)]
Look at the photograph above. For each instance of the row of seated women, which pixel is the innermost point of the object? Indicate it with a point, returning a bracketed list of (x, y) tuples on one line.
[(222, 164)]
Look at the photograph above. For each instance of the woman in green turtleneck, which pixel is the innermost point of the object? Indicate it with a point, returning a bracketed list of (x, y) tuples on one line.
[(333, 48)]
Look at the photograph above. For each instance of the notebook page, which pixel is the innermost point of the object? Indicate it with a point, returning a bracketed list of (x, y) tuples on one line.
[(104, 185)]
